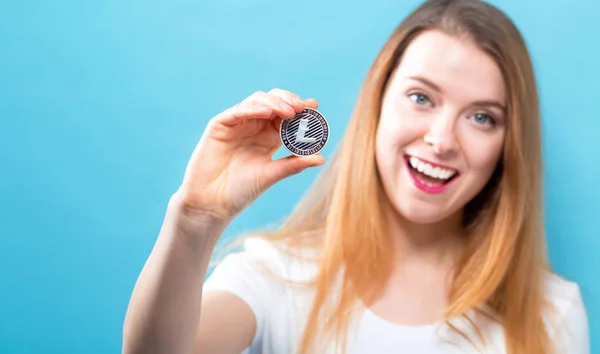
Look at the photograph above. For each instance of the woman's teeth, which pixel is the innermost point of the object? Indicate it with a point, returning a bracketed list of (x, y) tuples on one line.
[(429, 170)]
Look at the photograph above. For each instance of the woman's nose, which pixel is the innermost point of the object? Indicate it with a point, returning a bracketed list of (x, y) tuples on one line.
[(441, 134)]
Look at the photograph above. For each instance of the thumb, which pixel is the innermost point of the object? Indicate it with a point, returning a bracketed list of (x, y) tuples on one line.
[(290, 165)]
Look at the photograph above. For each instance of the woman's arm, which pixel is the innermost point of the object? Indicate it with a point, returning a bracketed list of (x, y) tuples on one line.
[(164, 314)]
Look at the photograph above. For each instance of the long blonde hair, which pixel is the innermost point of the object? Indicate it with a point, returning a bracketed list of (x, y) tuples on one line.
[(504, 261)]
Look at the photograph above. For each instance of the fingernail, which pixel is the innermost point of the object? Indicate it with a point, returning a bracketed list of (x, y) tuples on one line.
[(297, 101)]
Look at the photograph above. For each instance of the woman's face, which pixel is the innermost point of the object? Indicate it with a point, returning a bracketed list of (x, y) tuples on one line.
[(441, 128)]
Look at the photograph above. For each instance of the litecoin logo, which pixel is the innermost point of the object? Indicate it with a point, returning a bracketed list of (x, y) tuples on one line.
[(306, 133)]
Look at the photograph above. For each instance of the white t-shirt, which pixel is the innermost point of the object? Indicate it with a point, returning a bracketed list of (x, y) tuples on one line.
[(281, 312)]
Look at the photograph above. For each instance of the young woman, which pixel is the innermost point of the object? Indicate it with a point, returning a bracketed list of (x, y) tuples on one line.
[(424, 234)]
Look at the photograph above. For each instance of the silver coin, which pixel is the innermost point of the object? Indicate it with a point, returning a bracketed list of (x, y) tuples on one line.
[(304, 134)]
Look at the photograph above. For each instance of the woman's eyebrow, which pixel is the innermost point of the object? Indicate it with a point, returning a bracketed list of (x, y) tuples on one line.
[(479, 103), (427, 82), (490, 103)]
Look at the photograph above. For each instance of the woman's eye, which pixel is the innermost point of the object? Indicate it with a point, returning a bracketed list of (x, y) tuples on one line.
[(482, 119), (419, 98)]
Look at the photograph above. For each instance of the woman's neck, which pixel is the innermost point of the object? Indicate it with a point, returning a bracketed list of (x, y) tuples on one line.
[(427, 244)]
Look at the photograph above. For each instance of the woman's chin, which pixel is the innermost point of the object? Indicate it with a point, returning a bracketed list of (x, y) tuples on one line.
[(422, 214)]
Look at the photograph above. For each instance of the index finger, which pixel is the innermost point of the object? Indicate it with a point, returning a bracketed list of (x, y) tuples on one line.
[(309, 102), (244, 111)]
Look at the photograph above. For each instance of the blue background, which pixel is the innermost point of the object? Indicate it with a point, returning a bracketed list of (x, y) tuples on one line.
[(102, 103)]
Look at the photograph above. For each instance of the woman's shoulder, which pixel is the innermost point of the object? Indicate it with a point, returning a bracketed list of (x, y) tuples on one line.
[(561, 292), (274, 259), (567, 318)]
